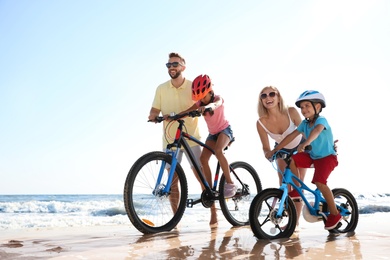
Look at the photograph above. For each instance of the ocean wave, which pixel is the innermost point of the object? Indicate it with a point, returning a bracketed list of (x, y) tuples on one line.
[(363, 196), (370, 209), (32, 211), (109, 212), (111, 205)]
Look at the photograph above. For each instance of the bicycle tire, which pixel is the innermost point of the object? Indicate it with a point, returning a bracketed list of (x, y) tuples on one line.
[(344, 198), (262, 215), (236, 209), (148, 209)]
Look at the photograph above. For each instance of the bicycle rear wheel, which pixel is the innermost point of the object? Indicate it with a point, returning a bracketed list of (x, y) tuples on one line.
[(262, 215), (149, 209), (236, 209), (345, 199)]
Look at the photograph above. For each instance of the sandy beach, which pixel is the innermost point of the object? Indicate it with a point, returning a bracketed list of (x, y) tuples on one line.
[(371, 240)]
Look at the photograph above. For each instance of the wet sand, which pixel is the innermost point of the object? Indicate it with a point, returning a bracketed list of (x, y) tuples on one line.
[(371, 240)]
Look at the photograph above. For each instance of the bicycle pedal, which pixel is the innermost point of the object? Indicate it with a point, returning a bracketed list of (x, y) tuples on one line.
[(335, 230), (190, 203), (338, 225), (215, 195)]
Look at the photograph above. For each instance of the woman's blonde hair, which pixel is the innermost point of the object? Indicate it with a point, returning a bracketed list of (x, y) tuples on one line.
[(261, 110)]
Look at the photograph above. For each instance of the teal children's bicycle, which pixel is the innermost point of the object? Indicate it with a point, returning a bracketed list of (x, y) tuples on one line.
[(153, 204), (272, 213)]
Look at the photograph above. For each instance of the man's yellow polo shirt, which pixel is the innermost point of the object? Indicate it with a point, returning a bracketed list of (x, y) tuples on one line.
[(169, 99)]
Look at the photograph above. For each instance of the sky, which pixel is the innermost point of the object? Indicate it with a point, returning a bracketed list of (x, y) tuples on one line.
[(77, 80)]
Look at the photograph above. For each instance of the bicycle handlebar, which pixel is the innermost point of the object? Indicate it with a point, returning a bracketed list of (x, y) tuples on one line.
[(194, 113), (286, 155), (308, 148)]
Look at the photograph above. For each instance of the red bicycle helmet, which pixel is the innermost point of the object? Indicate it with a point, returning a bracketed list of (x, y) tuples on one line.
[(200, 87)]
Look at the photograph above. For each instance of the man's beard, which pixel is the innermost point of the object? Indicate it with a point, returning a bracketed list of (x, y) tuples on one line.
[(178, 73)]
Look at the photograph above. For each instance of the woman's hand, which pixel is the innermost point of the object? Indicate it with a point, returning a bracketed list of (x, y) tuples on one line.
[(269, 154)]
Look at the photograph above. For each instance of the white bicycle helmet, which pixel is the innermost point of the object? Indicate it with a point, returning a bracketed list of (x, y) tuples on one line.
[(311, 95)]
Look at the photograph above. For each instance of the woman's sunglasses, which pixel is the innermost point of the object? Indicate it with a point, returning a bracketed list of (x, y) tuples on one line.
[(271, 94), (174, 64)]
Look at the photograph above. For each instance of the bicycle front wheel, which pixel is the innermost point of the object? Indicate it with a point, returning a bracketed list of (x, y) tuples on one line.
[(264, 222), (149, 208), (236, 209)]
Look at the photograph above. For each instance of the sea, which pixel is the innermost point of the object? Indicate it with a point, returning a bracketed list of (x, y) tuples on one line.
[(46, 211)]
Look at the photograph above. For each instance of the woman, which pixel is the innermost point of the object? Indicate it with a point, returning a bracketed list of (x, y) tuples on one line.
[(276, 121)]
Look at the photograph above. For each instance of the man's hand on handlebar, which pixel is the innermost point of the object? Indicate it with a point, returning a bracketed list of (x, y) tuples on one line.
[(152, 119), (157, 119), (173, 116)]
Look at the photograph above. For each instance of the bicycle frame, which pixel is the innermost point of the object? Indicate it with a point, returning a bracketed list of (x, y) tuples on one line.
[(179, 142), (288, 179)]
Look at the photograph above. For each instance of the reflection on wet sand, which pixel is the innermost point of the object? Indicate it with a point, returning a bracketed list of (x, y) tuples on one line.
[(195, 240), (239, 243)]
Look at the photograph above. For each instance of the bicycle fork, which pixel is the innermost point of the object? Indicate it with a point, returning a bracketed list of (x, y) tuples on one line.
[(279, 213), (160, 188)]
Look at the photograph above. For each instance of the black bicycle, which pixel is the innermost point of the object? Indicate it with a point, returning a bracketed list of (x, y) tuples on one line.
[(154, 205)]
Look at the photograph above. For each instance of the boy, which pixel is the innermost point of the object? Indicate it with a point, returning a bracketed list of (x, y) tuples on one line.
[(318, 134)]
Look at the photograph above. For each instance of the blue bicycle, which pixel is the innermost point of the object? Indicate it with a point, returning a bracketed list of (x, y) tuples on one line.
[(272, 213), (153, 204)]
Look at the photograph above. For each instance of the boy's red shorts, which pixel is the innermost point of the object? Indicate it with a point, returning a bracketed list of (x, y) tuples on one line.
[(322, 167)]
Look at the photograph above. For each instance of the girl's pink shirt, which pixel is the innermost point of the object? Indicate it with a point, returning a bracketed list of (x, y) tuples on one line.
[(217, 122)]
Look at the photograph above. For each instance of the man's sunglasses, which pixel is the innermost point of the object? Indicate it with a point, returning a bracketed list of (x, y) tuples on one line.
[(174, 64), (271, 94)]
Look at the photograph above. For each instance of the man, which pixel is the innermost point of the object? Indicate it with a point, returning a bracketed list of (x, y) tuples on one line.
[(174, 96)]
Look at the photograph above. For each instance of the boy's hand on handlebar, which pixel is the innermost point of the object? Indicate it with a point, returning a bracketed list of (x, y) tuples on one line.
[(303, 148)]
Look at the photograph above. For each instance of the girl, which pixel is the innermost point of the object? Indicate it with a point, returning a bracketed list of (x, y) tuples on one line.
[(220, 132)]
